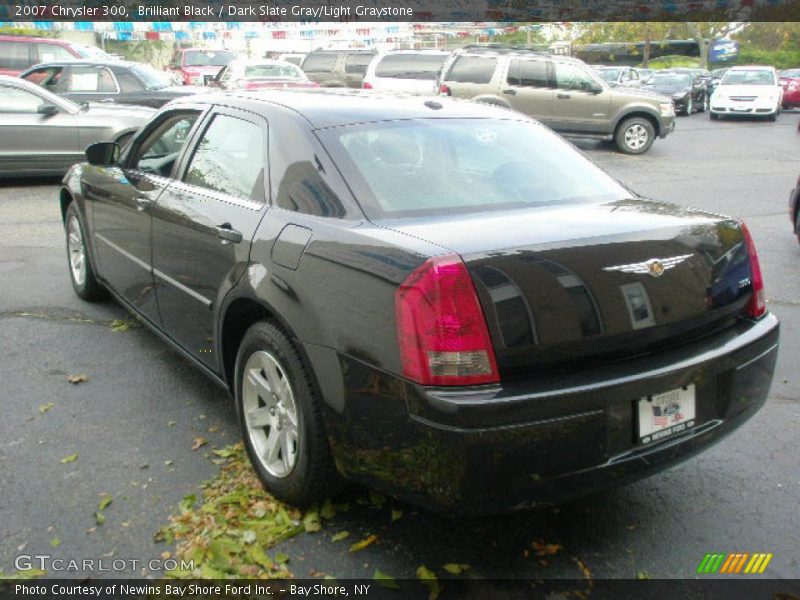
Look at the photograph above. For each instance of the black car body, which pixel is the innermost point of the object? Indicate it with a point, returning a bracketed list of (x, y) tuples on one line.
[(686, 89), (472, 336), (794, 208), (122, 82)]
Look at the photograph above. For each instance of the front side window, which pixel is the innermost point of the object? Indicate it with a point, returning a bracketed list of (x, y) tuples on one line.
[(528, 73), (91, 80), (53, 52), (570, 76), (16, 101), (442, 166), (229, 158), (159, 151), (472, 69)]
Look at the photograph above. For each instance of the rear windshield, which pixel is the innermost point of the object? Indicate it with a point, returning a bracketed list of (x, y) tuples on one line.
[(201, 58), (472, 69), (357, 63), (272, 72), (319, 63), (441, 166), (410, 66)]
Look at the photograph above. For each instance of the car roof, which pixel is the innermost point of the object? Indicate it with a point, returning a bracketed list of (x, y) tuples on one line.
[(751, 68), (326, 107), (86, 62), (38, 40)]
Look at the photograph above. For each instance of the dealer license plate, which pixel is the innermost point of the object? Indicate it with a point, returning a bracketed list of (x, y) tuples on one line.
[(663, 415)]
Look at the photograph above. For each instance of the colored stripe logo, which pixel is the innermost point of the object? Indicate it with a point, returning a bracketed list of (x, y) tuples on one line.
[(734, 563)]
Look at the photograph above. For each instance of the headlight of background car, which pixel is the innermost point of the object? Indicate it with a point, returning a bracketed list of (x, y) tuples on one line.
[(667, 109)]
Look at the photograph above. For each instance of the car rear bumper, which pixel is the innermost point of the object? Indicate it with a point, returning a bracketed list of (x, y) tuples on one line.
[(498, 448)]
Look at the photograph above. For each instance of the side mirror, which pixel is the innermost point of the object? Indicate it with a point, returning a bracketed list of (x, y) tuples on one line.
[(103, 154), (595, 89), (47, 110)]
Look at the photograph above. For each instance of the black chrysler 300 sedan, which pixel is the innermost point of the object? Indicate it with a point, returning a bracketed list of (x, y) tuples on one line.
[(442, 300)]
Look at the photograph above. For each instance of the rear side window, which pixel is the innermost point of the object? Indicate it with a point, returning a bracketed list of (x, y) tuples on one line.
[(14, 55), (230, 159), (357, 63), (319, 63), (528, 73), (410, 66), (472, 69), (47, 77), (128, 82)]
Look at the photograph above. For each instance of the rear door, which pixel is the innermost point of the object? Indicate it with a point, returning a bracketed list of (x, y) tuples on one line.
[(31, 141), (577, 109), (203, 224), (122, 198), (529, 88)]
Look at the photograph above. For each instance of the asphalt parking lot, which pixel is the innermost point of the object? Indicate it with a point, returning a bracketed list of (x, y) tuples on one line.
[(134, 422)]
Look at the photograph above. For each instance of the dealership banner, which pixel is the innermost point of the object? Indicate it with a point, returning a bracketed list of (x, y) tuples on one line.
[(398, 10)]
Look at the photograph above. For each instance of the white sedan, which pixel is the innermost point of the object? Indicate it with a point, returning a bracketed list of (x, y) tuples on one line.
[(747, 91)]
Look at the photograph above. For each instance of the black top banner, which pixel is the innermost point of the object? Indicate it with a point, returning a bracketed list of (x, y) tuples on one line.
[(402, 10)]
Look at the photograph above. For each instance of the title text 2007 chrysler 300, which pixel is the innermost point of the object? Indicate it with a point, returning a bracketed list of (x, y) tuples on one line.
[(438, 299)]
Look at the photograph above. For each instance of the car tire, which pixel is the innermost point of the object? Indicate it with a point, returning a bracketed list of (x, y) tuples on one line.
[(702, 106), (797, 226), (689, 107), (81, 271), (714, 116), (280, 416), (772, 117), (635, 135)]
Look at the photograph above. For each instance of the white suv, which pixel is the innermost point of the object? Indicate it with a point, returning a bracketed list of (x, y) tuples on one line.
[(747, 91), (409, 71)]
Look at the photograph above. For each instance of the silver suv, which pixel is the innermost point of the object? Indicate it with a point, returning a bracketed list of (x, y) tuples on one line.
[(563, 93)]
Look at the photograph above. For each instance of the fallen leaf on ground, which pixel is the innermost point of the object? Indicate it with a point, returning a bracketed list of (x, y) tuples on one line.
[(55, 543), (384, 580), (363, 543), (198, 442), (78, 378), (430, 581), (99, 518), (281, 557), (396, 514), (340, 536), (45, 407), (311, 522), (455, 568), (69, 459), (104, 501), (543, 549), (118, 325)]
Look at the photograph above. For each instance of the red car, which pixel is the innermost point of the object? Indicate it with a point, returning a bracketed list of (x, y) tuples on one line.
[(790, 82), (17, 53), (256, 74), (198, 66)]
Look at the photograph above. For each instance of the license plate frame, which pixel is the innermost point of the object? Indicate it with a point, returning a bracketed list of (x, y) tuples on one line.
[(666, 414)]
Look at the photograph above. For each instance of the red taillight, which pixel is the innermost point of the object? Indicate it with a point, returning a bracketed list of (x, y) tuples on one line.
[(444, 90), (367, 85), (441, 329), (757, 306)]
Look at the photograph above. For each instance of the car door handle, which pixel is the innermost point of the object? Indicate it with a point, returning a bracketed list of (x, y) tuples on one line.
[(510, 92), (143, 203), (563, 96), (107, 100), (228, 234)]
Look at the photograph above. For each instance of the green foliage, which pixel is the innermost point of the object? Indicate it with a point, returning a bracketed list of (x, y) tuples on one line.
[(769, 37), (780, 59), (671, 62)]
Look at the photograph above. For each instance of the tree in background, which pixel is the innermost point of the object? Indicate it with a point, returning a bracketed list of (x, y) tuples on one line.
[(705, 34), (770, 37), (630, 31)]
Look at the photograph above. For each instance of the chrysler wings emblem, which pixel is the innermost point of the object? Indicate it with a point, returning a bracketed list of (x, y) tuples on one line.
[(654, 267)]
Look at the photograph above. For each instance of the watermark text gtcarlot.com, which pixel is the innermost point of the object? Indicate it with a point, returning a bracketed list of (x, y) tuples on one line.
[(45, 562)]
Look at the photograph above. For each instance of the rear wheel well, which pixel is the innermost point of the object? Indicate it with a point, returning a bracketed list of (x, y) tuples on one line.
[(239, 317), (644, 115)]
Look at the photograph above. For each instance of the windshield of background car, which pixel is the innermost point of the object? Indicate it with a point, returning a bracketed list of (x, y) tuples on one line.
[(199, 58), (410, 66), (92, 52), (792, 73), (425, 167), (273, 72), (609, 74), (151, 78), (745, 77), (673, 79)]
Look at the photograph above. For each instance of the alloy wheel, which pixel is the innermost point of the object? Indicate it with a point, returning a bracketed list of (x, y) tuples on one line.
[(270, 414), (636, 137), (77, 251)]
